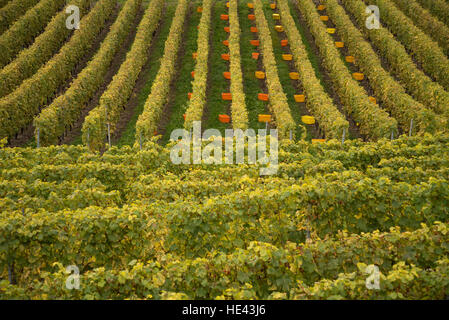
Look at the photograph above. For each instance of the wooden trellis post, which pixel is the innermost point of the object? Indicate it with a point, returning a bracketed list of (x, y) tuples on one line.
[(38, 137)]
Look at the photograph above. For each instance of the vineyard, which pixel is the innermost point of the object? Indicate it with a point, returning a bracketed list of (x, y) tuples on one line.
[(87, 121)]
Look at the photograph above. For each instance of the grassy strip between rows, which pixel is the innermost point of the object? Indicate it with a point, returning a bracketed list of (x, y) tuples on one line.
[(216, 81)]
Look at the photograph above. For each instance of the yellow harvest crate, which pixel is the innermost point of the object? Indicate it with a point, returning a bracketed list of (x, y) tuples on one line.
[(279, 28), (372, 99), (300, 97), (318, 140), (358, 76), (350, 59), (294, 75), (321, 7), (324, 18), (251, 5), (287, 57), (276, 16), (260, 75), (339, 44), (273, 6), (264, 118), (330, 30), (227, 4), (308, 119)]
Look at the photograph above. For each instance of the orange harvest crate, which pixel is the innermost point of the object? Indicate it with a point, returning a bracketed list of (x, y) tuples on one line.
[(262, 96), (350, 59), (199, 9), (224, 17), (339, 44), (195, 55), (324, 18), (358, 76), (226, 96), (189, 95), (321, 7), (224, 118), (255, 55), (300, 97), (260, 74), (318, 140), (227, 75), (287, 57), (251, 17), (254, 29), (225, 56), (284, 43), (184, 116), (273, 6), (227, 29), (226, 43), (264, 118), (255, 42), (373, 100), (251, 5), (294, 75), (192, 74)]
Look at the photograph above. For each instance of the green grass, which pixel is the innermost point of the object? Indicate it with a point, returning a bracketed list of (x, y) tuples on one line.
[(251, 85), (129, 134), (283, 71), (184, 80), (215, 105)]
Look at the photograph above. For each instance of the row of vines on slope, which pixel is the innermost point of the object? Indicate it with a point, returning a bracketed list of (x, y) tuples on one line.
[(148, 121), (420, 86), (436, 29), (29, 60), (198, 99), (401, 105), (277, 98), (12, 11), (238, 105), (22, 32), (18, 108), (112, 101), (374, 122), (427, 52), (440, 8), (64, 111), (318, 101)]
